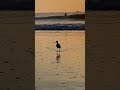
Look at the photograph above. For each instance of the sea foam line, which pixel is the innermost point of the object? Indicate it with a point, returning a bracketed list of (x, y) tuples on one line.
[(60, 27)]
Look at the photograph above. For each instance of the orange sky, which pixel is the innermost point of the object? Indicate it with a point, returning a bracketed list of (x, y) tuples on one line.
[(59, 5)]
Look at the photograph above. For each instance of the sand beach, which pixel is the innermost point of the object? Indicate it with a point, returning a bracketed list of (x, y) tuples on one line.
[(64, 70)]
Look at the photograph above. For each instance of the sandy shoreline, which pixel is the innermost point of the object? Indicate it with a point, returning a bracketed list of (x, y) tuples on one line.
[(102, 50), (17, 50), (69, 72)]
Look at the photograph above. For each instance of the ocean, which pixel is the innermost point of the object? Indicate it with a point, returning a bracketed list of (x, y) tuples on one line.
[(55, 21)]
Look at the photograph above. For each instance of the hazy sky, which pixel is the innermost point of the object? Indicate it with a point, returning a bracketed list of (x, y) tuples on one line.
[(59, 5)]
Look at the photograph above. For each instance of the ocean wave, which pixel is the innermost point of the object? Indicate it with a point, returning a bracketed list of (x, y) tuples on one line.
[(60, 27), (75, 16)]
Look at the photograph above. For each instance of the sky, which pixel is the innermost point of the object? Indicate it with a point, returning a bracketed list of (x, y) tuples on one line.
[(17, 5), (103, 5), (59, 6)]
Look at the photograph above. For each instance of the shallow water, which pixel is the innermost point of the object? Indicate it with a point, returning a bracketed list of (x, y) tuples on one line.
[(62, 23), (64, 70)]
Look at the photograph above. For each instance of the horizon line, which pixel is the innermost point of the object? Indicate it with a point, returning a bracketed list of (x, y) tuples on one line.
[(60, 11)]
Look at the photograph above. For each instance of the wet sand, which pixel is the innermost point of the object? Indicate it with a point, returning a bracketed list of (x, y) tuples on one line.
[(64, 70), (102, 50), (17, 50)]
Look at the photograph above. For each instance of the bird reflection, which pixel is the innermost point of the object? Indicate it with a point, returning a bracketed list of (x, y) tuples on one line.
[(58, 57)]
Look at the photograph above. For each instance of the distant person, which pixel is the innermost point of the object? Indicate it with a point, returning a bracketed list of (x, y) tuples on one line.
[(65, 14)]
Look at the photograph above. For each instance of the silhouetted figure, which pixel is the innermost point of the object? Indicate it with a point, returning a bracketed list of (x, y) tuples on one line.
[(58, 46), (65, 14)]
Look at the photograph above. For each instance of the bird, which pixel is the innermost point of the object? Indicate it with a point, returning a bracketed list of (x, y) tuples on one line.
[(58, 46)]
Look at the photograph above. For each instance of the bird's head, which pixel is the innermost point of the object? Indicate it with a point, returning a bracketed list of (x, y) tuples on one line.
[(56, 41)]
